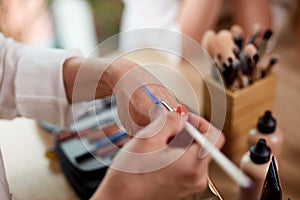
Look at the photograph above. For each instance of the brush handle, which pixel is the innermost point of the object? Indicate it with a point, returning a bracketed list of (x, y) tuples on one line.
[(232, 170)]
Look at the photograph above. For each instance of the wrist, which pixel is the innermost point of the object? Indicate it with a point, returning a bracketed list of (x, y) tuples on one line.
[(86, 72), (70, 69), (117, 69)]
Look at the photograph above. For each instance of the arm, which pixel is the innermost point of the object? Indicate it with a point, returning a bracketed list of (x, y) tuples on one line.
[(196, 17), (87, 79), (32, 83), (247, 13), (42, 83)]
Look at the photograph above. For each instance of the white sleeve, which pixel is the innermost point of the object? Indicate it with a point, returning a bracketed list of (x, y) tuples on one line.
[(31, 82)]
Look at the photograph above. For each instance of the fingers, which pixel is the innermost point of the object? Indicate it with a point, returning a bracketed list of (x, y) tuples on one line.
[(148, 151), (212, 134), (192, 170), (200, 123), (226, 44), (161, 131)]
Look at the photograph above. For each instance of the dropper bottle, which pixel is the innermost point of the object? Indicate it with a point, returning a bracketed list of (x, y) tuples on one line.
[(267, 128), (255, 164)]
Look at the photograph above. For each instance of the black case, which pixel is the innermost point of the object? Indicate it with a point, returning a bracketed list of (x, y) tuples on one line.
[(84, 177)]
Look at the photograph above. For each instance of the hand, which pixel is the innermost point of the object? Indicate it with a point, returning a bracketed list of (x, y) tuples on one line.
[(162, 162), (134, 105), (96, 78)]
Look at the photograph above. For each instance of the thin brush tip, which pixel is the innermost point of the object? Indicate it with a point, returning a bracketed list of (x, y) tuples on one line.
[(151, 95)]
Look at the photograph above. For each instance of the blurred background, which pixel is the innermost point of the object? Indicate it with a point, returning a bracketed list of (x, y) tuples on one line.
[(83, 24)]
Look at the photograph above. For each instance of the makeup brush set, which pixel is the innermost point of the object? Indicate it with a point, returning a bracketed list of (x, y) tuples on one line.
[(242, 79), (244, 65), (239, 59)]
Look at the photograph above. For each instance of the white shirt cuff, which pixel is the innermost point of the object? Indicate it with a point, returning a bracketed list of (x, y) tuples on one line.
[(39, 85)]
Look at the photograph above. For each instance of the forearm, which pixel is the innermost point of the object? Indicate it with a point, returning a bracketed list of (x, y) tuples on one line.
[(196, 17), (247, 13), (87, 79), (95, 78)]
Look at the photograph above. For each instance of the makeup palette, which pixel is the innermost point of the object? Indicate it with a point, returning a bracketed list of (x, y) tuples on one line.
[(86, 153)]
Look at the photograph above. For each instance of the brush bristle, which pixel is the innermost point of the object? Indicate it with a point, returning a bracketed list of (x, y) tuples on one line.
[(256, 58), (250, 49), (273, 61), (268, 34)]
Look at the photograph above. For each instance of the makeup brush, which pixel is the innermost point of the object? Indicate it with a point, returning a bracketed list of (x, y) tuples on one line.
[(237, 34), (254, 34), (226, 45), (261, 48), (232, 170), (269, 67), (209, 42), (250, 51), (249, 69)]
